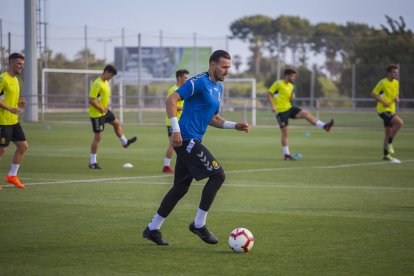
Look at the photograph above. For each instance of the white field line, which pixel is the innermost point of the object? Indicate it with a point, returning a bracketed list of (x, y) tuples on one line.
[(125, 179)]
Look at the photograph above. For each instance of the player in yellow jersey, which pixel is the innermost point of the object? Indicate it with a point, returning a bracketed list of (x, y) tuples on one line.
[(99, 100), (280, 95), (181, 77), (386, 93), (10, 107)]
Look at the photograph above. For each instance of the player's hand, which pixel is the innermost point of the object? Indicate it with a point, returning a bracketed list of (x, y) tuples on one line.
[(243, 126), (21, 103), (176, 139), (14, 110), (386, 104), (397, 99)]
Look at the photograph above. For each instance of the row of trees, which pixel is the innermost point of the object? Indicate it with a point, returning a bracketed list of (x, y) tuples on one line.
[(342, 46), (369, 48)]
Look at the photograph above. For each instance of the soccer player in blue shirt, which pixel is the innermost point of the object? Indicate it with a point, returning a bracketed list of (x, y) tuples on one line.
[(202, 95)]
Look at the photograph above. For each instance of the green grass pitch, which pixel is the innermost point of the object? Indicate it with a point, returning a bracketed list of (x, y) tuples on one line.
[(338, 210)]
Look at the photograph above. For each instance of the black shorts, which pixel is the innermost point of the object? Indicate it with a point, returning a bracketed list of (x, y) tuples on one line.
[(98, 124), (194, 160), (169, 131), (11, 133), (283, 117), (387, 118)]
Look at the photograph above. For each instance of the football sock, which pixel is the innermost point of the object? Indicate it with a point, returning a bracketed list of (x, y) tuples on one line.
[(123, 139), (167, 161), (286, 150), (92, 159), (156, 222), (385, 151), (390, 140), (200, 219), (13, 169), (320, 124)]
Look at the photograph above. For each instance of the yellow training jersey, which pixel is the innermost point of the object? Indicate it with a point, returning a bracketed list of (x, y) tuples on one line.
[(388, 90), (102, 93), (180, 104), (282, 93), (9, 94)]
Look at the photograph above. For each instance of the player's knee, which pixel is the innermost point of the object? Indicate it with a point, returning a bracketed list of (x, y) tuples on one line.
[(401, 122), (180, 190), (219, 177), (22, 146)]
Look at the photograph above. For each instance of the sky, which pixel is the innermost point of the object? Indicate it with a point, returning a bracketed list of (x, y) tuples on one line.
[(178, 22)]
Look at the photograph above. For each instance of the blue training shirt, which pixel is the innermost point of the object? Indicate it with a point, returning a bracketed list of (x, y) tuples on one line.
[(202, 99)]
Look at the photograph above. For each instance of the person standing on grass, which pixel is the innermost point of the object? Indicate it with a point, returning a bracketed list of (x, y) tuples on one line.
[(181, 76), (10, 107), (280, 95), (99, 99), (202, 95), (386, 94)]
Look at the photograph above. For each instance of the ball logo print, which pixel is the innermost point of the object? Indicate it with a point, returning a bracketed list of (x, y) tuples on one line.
[(241, 240)]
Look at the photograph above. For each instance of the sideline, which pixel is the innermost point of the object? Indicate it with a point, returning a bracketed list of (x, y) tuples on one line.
[(124, 179)]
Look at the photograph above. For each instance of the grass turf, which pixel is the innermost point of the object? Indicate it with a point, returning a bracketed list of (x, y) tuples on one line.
[(339, 210)]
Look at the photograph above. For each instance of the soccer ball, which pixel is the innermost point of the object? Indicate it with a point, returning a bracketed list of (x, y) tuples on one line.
[(241, 240)]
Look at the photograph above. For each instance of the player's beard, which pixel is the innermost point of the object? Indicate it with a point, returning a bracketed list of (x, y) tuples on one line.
[(219, 77)]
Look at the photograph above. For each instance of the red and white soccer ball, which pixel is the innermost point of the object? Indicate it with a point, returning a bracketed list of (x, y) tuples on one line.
[(241, 240)]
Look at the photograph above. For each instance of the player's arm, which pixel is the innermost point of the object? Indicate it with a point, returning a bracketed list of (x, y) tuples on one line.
[(219, 122), (13, 110), (171, 107), (270, 100), (3, 105), (397, 99), (378, 98), (293, 96), (94, 102)]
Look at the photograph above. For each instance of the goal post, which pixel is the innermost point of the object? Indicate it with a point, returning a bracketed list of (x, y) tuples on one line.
[(65, 92), (61, 71), (244, 100)]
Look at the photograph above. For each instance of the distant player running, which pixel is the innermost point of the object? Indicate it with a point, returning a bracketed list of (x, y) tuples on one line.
[(99, 99), (181, 76), (386, 94), (202, 95), (280, 95), (10, 107)]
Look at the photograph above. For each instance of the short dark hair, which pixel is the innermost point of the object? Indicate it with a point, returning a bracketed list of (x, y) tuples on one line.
[(16, 56), (111, 69), (181, 72), (289, 71), (216, 55), (391, 67)]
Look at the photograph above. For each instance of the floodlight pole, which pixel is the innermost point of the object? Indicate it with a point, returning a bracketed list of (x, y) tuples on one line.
[(30, 72), (104, 41)]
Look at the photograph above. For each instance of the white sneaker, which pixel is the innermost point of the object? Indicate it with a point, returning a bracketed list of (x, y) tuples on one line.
[(395, 161)]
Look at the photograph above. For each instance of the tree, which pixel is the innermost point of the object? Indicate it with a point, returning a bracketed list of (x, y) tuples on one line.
[(253, 29), (392, 44), (295, 33), (329, 39)]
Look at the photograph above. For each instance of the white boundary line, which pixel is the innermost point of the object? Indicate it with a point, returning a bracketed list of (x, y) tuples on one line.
[(53, 181)]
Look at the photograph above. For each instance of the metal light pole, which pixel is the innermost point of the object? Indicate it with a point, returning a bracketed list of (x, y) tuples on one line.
[(104, 41)]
